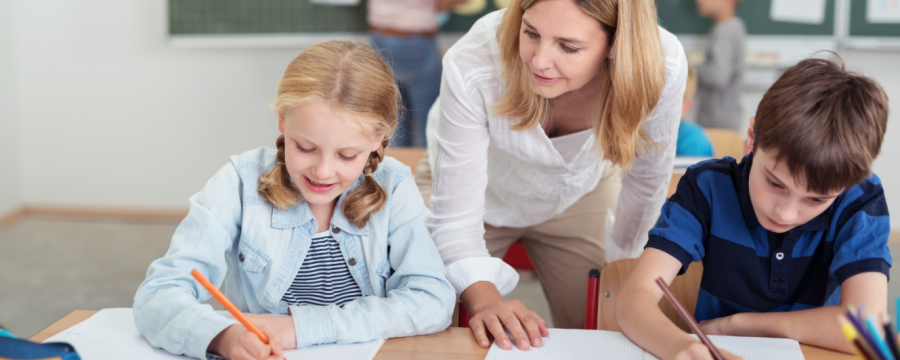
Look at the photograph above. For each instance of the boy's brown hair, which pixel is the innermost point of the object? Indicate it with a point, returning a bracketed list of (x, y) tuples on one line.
[(824, 122)]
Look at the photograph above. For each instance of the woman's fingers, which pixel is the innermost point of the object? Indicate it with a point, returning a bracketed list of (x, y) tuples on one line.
[(495, 326), (478, 329), (530, 322), (511, 321)]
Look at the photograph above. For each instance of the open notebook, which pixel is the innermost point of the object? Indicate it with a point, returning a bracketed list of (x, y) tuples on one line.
[(111, 334), (598, 344)]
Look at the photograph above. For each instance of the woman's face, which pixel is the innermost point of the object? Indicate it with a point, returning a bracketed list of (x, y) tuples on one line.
[(563, 48)]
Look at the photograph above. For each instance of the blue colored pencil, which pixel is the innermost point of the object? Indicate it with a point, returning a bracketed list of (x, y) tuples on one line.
[(879, 341), (858, 324)]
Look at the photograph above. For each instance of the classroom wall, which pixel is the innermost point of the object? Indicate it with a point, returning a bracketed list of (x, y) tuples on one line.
[(881, 65), (10, 175), (110, 117)]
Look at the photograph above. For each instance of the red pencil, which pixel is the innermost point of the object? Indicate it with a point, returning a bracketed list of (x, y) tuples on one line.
[(228, 305), (689, 319)]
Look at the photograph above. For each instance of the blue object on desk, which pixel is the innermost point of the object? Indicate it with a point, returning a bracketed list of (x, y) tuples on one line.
[(11, 348), (8, 334)]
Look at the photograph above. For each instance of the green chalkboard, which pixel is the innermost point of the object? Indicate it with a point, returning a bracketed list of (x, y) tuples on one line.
[(680, 17), (197, 17), (859, 26)]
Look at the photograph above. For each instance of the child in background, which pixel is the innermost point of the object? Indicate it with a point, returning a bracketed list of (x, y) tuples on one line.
[(692, 139), (319, 232), (789, 236), (719, 89)]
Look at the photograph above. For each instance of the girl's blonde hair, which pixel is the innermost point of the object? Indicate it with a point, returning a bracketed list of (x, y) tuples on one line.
[(355, 81), (632, 79)]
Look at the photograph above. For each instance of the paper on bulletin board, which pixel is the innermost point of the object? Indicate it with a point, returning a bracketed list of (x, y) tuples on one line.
[(335, 2), (798, 11), (883, 11)]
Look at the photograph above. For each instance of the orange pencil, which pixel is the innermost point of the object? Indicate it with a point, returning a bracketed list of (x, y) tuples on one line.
[(228, 305)]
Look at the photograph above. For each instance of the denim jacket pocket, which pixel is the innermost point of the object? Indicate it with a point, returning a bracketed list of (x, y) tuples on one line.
[(250, 258), (384, 273)]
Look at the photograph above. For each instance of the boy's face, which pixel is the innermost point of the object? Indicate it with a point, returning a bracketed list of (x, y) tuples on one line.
[(324, 152), (779, 202)]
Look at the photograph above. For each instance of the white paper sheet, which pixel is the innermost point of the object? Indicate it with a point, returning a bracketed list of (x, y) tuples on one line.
[(567, 344), (798, 11), (111, 333), (883, 11)]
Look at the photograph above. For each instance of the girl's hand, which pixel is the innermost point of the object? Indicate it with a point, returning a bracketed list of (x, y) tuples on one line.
[(695, 350), (281, 325), (514, 316), (238, 343)]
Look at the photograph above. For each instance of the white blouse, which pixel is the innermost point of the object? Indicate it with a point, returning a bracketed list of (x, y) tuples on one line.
[(485, 172)]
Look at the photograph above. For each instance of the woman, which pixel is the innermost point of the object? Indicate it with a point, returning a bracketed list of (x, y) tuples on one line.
[(514, 151)]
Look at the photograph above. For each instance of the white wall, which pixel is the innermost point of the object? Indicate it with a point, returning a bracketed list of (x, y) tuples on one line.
[(108, 116), (112, 118), (882, 66), (10, 175)]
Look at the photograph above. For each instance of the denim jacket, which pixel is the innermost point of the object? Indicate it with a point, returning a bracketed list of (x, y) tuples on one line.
[(234, 237)]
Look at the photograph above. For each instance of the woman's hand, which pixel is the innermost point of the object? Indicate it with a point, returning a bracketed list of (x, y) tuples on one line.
[(492, 313), (695, 350), (238, 343)]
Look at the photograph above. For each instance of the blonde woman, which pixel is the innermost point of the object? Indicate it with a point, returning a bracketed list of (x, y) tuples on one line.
[(319, 232), (542, 106)]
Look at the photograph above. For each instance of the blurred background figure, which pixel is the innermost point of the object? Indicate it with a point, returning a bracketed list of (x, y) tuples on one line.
[(692, 140), (720, 76), (404, 32)]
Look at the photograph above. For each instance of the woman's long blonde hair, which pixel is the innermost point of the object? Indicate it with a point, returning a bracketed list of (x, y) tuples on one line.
[(631, 80), (354, 80)]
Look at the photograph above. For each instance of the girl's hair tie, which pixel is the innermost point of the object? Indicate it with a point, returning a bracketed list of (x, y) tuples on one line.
[(280, 163), (369, 174)]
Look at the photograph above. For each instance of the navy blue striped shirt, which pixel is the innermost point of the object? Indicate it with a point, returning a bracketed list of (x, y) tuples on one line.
[(324, 277), (748, 269)]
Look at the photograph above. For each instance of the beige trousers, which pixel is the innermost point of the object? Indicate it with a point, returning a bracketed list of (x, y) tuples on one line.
[(563, 249)]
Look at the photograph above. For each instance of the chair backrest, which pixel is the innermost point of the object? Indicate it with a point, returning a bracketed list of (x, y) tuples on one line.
[(685, 287), (726, 143), (409, 156)]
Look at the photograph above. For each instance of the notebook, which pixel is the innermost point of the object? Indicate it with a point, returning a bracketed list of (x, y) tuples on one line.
[(111, 334), (567, 344)]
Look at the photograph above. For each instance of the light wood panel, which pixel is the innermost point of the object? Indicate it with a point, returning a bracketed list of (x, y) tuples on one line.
[(453, 343)]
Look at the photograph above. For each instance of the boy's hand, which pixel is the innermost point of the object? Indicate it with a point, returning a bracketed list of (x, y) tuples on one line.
[(718, 326), (238, 343), (695, 350)]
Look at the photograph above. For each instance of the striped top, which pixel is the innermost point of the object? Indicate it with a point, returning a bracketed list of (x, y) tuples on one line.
[(746, 268), (324, 277)]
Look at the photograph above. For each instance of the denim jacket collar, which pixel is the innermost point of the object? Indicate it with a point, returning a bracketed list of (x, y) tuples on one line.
[(300, 214)]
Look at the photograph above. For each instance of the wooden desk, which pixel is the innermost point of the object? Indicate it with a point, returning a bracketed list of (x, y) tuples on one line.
[(453, 343)]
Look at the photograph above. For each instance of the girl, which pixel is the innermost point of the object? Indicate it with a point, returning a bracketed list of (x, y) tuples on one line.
[(321, 232)]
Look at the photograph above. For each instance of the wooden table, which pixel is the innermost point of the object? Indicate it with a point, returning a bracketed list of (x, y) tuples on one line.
[(453, 343)]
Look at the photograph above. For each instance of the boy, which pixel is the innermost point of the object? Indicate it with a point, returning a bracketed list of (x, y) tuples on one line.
[(720, 75), (788, 236)]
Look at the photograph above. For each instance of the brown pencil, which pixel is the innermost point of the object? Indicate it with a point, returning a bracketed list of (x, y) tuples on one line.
[(689, 319)]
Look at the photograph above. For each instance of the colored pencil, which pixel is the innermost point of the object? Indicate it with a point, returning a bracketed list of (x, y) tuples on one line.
[(889, 336), (228, 305), (879, 341), (853, 337), (689, 319), (865, 337)]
